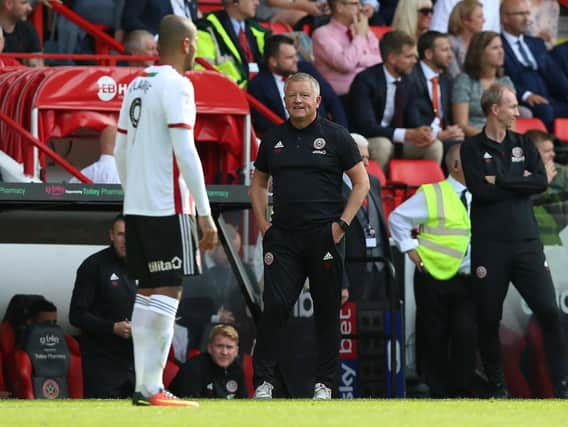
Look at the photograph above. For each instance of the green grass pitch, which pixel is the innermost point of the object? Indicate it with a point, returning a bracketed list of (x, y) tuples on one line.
[(287, 413)]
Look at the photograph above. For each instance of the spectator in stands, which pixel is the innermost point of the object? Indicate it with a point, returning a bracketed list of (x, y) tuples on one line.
[(290, 12), (345, 46), (219, 294), (538, 80), (140, 43), (445, 309), (20, 36), (380, 105), (466, 20), (413, 17), (483, 66), (560, 55), (105, 13), (366, 236), (549, 207), (186, 8), (145, 14), (216, 373), (432, 92), (443, 9), (556, 173), (232, 40), (280, 61), (103, 171), (101, 306), (6, 61), (543, 21)]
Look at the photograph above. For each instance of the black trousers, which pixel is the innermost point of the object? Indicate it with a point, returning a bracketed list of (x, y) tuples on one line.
[(445, 328), (107, 377), (290, 257), (523, 263)]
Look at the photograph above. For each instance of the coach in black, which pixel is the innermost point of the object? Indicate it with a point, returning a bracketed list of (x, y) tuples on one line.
[(101, 307), (503, 170), (306, 157)]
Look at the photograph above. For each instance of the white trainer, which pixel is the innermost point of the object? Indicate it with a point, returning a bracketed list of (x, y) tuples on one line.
[(264, 391), (322, 392)]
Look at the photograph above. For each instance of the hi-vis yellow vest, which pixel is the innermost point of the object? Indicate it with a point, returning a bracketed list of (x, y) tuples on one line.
[(215, 45), (443, 239)]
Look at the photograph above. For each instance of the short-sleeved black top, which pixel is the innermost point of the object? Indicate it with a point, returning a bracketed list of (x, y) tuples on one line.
[(307, 167), (24, 39)]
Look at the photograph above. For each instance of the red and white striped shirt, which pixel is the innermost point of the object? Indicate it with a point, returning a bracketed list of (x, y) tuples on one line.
[(155, 142)]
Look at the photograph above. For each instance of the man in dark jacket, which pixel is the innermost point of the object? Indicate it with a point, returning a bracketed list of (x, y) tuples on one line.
[(503, 170), (101, 306), (216, 373)]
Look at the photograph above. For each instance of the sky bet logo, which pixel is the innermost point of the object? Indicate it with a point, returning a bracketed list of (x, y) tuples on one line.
[(157, 266)]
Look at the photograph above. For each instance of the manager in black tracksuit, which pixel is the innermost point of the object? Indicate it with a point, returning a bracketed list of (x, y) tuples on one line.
[(503, 170), (101, 306), (306, 158)]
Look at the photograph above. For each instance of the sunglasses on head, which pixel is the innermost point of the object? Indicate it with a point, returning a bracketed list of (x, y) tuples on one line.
[(426, 10)]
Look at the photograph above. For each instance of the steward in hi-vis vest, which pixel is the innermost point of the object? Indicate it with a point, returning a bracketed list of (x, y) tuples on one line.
[(232, 44), (445, 309), (444, 237)]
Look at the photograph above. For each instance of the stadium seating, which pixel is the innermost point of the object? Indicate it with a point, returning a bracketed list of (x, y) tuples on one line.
[(23, 373), (171, 369), (561, 129), (376, 170), (523, 125), (380, 31), (277, 27)]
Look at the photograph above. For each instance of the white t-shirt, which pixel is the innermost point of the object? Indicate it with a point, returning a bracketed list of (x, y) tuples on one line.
[(103, 171), (157, 120)]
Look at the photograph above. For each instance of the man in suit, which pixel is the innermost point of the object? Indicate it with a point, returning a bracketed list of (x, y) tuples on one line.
[(560, 55), (280, 62), (538, 80), (433, 87), (380, 106), (232, 40), (367, 236)]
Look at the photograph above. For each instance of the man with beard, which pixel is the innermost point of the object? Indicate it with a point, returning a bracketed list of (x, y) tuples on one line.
[(432, 92), (380, 106), (101, 307), (19, 34), (159, 170), (280, 62)]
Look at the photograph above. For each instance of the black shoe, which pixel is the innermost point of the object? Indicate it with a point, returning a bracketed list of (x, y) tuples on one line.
[(498, 391)]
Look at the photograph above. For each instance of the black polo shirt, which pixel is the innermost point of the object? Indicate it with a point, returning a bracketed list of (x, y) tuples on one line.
[(503, 211), (307, 166), (24, 39)]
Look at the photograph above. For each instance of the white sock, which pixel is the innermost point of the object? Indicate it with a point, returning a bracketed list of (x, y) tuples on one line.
[(140, 334), (160, 318)]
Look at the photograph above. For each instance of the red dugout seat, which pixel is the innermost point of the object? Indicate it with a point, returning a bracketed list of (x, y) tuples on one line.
[(380, 31), (522, 125), (561, 129), (405, 176)]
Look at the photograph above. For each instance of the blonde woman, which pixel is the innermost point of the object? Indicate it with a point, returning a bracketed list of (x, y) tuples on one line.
[(413, 17), (466, 20)]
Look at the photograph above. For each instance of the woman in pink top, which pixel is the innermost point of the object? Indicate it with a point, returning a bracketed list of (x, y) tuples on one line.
[(345, 46)]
